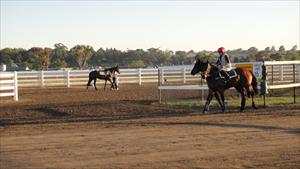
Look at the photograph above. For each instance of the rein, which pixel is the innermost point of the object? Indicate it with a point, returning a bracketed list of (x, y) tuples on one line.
[(208, 71)]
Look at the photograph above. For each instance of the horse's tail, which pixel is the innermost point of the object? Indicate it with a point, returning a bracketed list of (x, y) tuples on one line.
[(254, 83)]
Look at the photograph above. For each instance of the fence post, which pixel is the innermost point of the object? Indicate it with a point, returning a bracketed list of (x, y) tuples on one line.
[(183, 75), (294, 79), (16, 97), (68, 78), (298, 67), (281, 72), (162, 76), (42, 78), (159, 84), (139, 71)]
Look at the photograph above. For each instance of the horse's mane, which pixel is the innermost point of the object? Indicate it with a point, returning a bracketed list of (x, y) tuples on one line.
[(110, 69), (213, 66)]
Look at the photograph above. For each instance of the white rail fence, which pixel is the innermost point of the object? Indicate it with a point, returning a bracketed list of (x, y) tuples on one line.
[(8, 85), (278, 73), (180, 74), (80, 77)]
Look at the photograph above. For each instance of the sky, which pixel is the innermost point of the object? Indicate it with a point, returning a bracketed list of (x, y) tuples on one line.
[(167, 25)]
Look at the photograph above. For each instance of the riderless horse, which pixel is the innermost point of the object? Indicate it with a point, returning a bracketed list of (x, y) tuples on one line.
[(105, 74), (243, 81)]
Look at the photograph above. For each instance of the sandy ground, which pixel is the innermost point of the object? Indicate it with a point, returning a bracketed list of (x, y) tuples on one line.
[(72, 128)]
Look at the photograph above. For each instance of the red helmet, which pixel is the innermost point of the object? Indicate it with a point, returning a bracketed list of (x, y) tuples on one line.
[(221, 50)]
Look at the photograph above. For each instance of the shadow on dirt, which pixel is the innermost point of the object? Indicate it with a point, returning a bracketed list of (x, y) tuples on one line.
[(51, 112), (295, 131)]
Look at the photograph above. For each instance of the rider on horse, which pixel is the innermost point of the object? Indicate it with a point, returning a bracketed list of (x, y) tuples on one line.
[(223, 63)]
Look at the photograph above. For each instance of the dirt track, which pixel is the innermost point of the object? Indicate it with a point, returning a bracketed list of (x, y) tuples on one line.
[(71, 128)]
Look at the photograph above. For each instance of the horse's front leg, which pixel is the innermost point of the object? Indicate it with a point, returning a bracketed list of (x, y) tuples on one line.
[(111, 85), (105, 84), (208, 99), (221, 103), (88, 84), (223, 100)]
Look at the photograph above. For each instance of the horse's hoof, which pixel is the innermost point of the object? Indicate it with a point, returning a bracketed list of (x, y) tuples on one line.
[(205, 111)]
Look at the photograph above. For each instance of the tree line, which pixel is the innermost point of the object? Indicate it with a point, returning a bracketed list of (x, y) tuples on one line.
[(84, 56)]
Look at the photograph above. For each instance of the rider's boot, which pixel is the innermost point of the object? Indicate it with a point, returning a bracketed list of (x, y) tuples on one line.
[(226, 75)]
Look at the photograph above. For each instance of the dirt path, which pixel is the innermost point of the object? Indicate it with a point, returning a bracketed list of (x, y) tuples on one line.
[(209, 141)]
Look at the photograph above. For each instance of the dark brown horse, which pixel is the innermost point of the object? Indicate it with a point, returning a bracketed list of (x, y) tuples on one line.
[(105, 74), (244, 82)]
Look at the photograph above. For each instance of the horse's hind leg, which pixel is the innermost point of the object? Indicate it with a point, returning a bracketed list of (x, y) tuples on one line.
[(111, 85), (251, 92), (253, 103), (241, 90), (95, 84)]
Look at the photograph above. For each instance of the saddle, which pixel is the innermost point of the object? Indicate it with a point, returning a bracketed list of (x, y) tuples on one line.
[(101, 72), (232, 73)]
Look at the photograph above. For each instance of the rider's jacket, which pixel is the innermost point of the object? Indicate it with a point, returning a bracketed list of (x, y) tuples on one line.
[(224, 63)]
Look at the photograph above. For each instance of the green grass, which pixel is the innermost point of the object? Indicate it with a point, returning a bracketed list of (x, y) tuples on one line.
[(235, 102)]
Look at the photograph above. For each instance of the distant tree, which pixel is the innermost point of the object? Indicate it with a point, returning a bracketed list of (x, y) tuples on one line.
[(9, 56), (137, 63), (39, 58), (163, 57), (273, 50), (276, 56), (99, 58), (267, 49), (151, 56), (58, 56), (294, 48), (82, 54), (293, 53), (252, 58), (261, 56), (207, 56), (6, 56), (252, 50), (45, 58), (281, 50), (180, 58)]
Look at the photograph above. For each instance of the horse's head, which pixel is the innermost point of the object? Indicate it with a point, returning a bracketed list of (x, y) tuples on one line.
[(117, 69), (113, 69), (199, 66)]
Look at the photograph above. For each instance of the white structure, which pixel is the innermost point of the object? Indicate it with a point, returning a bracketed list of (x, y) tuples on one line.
[(9, 82), (2, 67), (280, 74)]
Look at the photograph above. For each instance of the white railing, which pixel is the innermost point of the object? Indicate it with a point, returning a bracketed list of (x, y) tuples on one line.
[(80, 77), (280, 74), (9, 85)]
